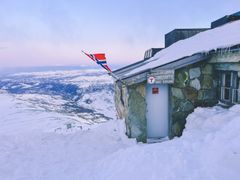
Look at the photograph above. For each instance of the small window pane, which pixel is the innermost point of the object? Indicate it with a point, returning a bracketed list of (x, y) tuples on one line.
[(236, 94), (227, 94), (228, 80)]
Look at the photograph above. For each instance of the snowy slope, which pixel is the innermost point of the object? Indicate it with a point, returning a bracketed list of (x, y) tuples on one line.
[(209, 149), (221, 37), (38, 145), (18, 117), (85, 94), (41, 139)]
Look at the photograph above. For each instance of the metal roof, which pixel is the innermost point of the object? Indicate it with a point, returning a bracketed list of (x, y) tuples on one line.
[(141, 76), (180, 63)]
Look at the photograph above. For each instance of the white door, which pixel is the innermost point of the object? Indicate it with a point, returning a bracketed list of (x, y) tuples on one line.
[(157, 110)]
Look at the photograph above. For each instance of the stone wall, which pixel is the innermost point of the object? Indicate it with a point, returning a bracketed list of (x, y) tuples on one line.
[(194, 86), (121, 97), (136, 119), (131, 106)]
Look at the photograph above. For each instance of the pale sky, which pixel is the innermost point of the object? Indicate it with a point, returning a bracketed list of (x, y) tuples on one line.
[(53, 32)]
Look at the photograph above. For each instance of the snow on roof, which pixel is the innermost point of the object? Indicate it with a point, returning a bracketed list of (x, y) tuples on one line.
[(222, 37)]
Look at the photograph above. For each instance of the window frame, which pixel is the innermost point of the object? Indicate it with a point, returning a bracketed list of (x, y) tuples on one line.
[(233, 88)]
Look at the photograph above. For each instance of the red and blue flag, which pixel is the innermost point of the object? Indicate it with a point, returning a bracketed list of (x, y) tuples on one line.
[(99, 59)]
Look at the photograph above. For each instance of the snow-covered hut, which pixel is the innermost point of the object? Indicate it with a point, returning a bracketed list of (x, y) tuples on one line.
[(156, 94)]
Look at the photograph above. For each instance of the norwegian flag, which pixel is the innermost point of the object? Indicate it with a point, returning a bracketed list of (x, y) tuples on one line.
[(99, 59)]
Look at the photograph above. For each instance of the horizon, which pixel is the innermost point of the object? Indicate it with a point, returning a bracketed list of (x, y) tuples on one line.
[(29, 69), (40, 33)]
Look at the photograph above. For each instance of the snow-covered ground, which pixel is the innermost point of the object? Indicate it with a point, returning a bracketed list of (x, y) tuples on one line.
[(41, 140), (209, 149), (39, 145)]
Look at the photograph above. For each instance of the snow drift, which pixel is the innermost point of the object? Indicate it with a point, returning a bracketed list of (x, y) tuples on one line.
[(208, 149)]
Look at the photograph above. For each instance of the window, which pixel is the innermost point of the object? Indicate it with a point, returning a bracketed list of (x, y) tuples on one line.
[(229, 90)]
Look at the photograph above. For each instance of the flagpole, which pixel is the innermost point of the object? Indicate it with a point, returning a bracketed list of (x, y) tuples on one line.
[(109, 72), (115, 77)]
